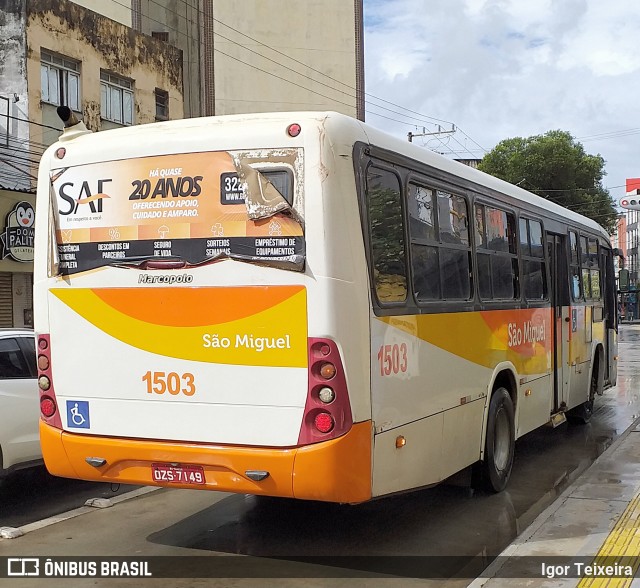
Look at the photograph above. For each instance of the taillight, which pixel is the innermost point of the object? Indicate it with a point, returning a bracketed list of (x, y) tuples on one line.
[(48, 403), (47, 406), (327, 370), (323, 422), (327, 412)]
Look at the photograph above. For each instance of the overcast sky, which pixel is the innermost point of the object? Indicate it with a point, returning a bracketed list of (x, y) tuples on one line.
[(509, 68)]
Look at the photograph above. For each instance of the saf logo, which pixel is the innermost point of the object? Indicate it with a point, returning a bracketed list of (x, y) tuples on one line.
[(66, 193)]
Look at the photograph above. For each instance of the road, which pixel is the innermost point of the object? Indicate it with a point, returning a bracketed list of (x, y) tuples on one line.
[(446, 520)]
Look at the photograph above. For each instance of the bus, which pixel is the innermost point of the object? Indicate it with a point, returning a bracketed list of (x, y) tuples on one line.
[(300, 305)]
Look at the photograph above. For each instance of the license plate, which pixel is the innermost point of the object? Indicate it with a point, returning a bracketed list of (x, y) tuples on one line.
[(177, 474)]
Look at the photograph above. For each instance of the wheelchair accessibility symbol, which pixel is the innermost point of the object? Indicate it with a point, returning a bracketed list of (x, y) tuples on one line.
[(78, 414)]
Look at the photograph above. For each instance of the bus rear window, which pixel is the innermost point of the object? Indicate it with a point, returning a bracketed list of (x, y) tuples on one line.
[(188, 207)]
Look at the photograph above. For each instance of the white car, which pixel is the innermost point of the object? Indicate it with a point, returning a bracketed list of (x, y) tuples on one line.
[(19, 401)]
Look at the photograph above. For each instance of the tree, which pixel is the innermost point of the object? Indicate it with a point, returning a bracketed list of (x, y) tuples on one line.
[(556, 167)]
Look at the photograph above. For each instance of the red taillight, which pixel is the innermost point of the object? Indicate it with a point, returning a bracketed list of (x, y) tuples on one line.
[(47, 406), (48, 402), (323, 422), (327, 412)]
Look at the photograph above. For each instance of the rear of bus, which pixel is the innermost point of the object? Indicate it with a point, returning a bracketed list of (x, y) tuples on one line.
[(188, 280)]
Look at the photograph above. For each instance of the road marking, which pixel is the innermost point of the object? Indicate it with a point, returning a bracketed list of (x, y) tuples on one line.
[(76, 512), (622, 541)]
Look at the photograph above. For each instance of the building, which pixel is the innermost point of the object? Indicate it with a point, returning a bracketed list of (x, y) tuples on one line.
[(257, 55), (280, 55), (55, 52), (123, 62)]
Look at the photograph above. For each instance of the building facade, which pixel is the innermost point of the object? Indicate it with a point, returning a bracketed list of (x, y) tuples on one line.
[(286, 55), (52, 53), (123, 62), (257, 55)]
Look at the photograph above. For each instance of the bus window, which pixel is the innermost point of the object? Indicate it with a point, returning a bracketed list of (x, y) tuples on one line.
[(497, 253), (576, 278), (421, 213), (440, 252), (594, 271), (533, 264), (387, 235), (586, 274), (189, 208)]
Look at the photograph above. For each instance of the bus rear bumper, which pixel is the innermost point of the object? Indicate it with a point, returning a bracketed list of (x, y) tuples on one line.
[(338, 470)]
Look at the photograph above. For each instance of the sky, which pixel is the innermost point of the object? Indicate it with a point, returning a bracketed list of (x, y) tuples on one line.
[(498, 69)]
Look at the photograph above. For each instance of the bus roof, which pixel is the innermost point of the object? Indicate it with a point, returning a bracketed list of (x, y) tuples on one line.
[(342, 128)]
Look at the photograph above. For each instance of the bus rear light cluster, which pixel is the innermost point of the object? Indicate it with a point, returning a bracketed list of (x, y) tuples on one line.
[(47, 406), (327, 412), (323, 422), (48, 403), (326, 395)]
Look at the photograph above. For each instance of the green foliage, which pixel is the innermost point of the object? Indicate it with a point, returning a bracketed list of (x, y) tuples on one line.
[(557, 168)]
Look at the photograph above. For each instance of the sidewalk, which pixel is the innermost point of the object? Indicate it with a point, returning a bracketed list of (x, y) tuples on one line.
[(596, 520)]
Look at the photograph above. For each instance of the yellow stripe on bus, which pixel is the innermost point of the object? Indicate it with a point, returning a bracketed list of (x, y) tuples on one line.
[(273, 337), (521, 336)]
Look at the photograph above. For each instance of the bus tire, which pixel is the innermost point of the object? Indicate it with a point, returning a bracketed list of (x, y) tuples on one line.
[(499, 448), (581, 414)]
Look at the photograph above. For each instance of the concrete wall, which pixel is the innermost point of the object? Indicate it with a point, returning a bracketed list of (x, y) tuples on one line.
[(14, 130), (317, 33), (118, 10), (63, 27), (181, 20)]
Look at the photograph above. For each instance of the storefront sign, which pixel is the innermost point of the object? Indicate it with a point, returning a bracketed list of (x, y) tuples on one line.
[(17, 238)]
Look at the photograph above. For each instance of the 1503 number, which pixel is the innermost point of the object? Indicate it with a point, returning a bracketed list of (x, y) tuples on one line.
[(392, 359), (161, 382)]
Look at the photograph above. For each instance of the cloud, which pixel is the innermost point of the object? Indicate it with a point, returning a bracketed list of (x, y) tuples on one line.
[(507, 68)]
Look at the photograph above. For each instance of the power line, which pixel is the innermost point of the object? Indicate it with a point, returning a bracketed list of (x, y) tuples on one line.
[(197, 10)]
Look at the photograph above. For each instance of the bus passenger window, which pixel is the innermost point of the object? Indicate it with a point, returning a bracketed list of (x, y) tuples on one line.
[(421, 213), (426, 272), (576, 277), (440, 249), (452, 218), (455, 274), (594, 272), (503, 277), (534, 271), (498, 264), (386, 229), (484, 276), (525, 248), (586, 283)]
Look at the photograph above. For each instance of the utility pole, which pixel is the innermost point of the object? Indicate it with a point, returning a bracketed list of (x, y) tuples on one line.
[(424, 133)]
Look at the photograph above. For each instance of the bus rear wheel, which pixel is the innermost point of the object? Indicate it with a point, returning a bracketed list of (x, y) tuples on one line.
[(582, 413), (493, 472)]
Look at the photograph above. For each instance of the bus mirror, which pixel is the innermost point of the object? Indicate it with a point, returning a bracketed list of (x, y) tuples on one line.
[(617, 252)]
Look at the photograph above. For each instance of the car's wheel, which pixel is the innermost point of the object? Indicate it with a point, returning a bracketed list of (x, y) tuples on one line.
[(493, 472)]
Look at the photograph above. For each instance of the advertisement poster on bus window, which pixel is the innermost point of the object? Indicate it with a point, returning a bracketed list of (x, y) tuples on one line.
[(188, 206)]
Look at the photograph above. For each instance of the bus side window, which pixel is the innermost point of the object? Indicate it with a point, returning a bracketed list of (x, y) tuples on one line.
[(533, 268), (496, 253), (386, 229), (574, 258)]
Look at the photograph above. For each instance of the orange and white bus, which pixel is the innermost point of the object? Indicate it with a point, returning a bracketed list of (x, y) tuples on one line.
[(299, 305)]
